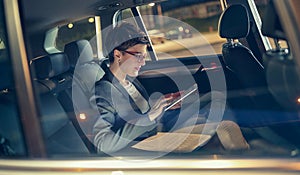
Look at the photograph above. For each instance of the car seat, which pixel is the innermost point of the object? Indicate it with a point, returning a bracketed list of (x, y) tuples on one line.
[(234, 24), (85, 67), (51, 78), (86, 72)]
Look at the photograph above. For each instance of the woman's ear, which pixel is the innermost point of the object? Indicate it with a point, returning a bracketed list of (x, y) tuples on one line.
[(117, 54)]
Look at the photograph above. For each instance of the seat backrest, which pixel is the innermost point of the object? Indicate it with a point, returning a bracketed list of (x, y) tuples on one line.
[(86, 72), (234, 24), (52, 77), (282, 73), (86, 68)]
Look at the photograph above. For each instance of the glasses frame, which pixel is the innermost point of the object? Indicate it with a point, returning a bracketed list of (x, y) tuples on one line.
[(138, 55)]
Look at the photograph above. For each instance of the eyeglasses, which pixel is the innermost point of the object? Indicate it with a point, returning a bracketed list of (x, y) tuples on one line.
[(138, 55)]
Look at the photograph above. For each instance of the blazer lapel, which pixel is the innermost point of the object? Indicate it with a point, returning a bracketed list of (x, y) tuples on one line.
[(116, 83)]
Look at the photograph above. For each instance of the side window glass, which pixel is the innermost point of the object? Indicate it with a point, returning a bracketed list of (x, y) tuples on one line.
[(11, 137), (182, 29)]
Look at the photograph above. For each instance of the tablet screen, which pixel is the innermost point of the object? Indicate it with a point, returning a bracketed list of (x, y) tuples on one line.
[(185, 94)]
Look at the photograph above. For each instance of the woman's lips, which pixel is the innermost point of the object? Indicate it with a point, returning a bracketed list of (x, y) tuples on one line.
[(137, 68)]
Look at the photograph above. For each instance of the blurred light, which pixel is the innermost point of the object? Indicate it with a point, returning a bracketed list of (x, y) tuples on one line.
[(117, 173), (2, 45), (151, 4), (70, 26), (218, 164), (91, 20), (298, 100), (82, 116), (180, 29)]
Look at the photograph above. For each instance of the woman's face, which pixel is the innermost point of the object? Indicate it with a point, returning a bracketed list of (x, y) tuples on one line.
[(133, 59)]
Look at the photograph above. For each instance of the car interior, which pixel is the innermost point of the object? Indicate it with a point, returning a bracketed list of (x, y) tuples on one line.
[(261, 86)]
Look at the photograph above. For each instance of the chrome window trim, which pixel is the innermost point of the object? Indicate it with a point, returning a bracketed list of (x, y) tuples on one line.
[(165, 166), (257, 20), (141, 24)]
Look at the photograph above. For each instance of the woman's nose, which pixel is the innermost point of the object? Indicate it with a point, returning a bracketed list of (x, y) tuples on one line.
[(142, 62)]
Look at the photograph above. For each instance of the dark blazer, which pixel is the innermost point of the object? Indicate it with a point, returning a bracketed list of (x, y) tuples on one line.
[(120, 121)]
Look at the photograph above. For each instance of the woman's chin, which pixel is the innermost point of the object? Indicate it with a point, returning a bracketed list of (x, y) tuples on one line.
[(134, 74)]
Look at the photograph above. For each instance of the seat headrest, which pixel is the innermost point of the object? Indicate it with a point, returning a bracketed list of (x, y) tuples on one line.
[(271, 25), (79, 51), (234, 22), (50, 65)]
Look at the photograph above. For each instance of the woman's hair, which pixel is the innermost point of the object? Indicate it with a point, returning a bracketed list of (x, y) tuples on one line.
[(123, 37)]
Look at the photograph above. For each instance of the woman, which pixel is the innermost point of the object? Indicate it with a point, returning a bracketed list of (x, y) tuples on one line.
[(126, 113)]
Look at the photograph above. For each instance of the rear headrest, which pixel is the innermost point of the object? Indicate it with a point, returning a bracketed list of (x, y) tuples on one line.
[(234, 22), (79, 51), (271, 25), (50, 65)]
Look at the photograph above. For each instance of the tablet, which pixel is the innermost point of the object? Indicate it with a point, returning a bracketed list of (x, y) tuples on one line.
[(185, 94)]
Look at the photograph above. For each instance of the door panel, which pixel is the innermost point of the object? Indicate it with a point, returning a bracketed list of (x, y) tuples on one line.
[(171, 75)]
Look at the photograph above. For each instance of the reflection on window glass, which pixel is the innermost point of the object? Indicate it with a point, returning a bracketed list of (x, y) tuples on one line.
[(181, 29), (11, 138)]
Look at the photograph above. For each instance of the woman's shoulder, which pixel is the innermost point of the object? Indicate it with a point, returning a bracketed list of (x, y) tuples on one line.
[(103, 84), (106, 86)]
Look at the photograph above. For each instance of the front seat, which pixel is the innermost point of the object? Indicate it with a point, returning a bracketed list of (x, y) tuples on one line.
[(234, 24), (282, 73)]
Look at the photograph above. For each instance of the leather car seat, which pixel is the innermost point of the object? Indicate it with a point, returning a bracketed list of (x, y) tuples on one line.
[(52, 78), (86, 72), (234, 24)]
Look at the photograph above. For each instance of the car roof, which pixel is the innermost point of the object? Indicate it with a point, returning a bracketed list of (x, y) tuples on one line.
[(43, 15)]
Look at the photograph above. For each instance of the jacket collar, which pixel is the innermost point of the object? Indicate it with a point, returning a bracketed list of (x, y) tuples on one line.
[(109, 76)]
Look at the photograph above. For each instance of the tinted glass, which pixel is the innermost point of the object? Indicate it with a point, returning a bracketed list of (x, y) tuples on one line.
[(11, 138), (177, 30), (182, 30)]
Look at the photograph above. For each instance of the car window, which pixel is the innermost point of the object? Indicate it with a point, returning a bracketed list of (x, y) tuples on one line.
[(11, 138), (176, 31), (182, 31)]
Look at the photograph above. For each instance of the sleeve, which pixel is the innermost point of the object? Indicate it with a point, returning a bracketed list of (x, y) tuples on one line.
[(110, 134)]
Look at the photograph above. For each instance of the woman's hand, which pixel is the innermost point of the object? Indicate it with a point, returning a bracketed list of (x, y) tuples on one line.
[(174, 96), (161, 103), (158, 107)]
